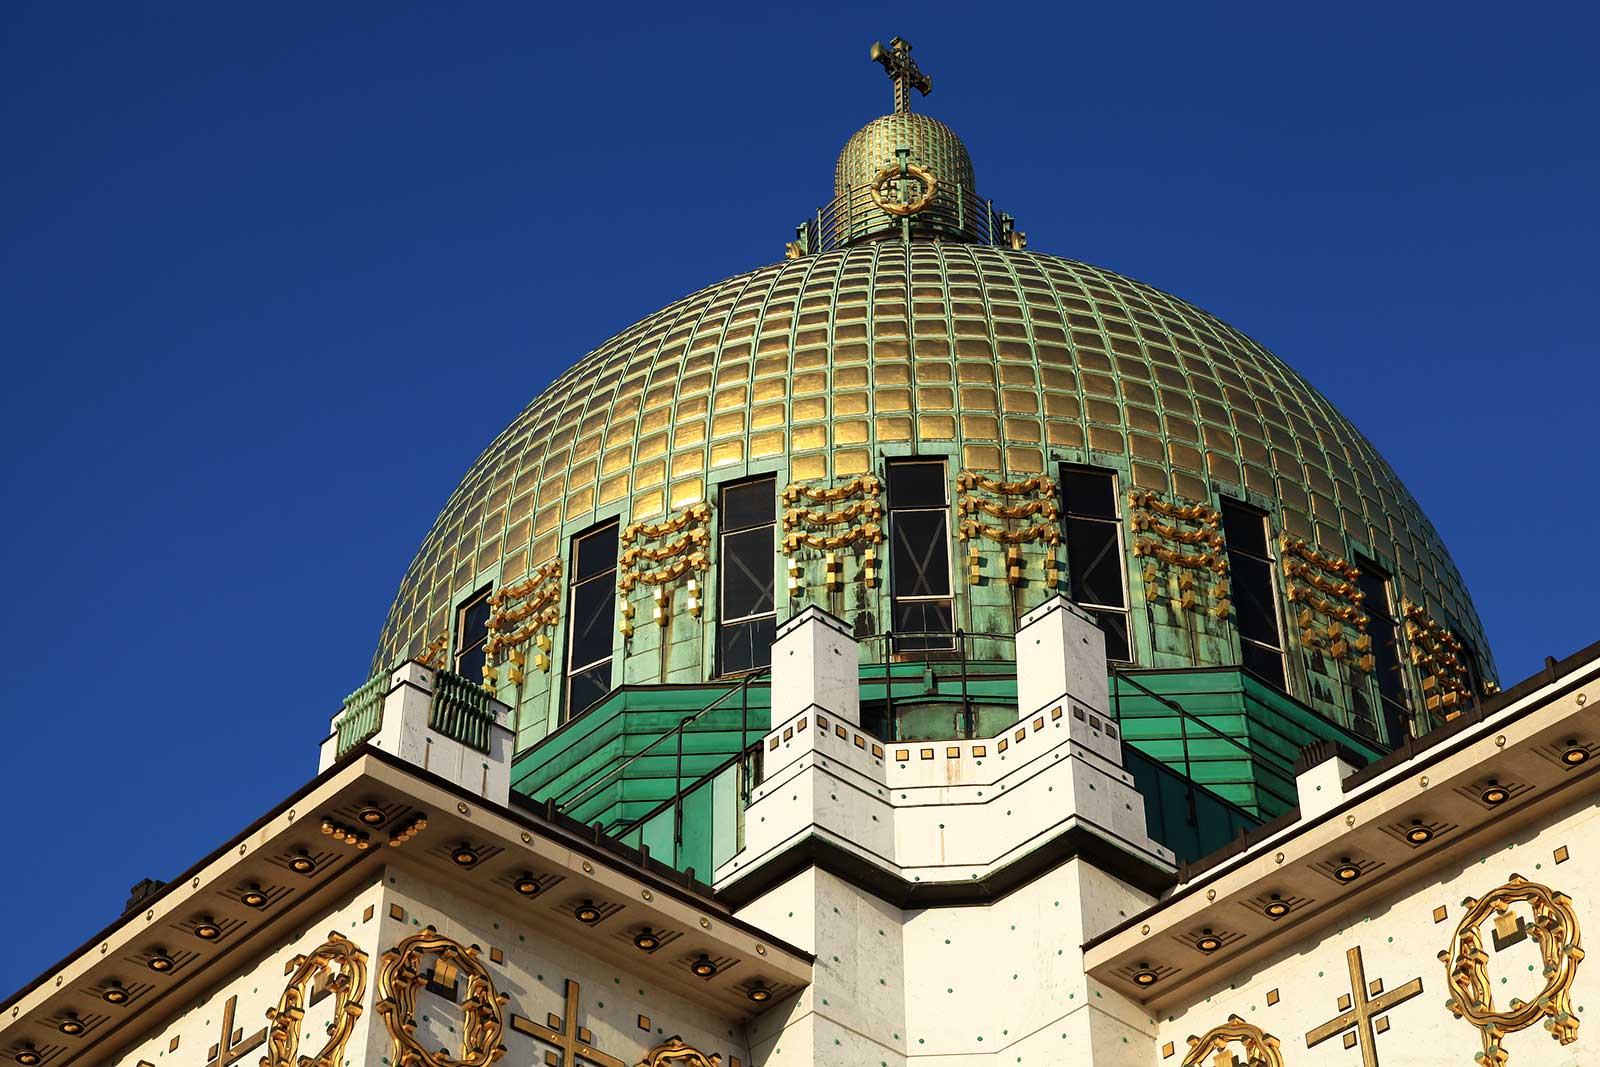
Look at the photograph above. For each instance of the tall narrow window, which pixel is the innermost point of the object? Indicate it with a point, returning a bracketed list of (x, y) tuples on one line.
[(590, 622), (1378, 605), (472, 632), (747, 621), (1255, 600), (1472, 670), (919, 557), (1092, 526)]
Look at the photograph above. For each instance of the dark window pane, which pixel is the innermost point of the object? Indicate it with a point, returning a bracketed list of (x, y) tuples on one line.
[(1245, 530), (1253, 607), (475, 622), (596, 553), (1385, 636), (920, 563), (591, 623), (1094, 564), (1264, 663), (745, 646), (748, 568), (587, 688), (913, 485), (1088, 493), (749, 504), (1114, 624), (930, 624), (470, 663)]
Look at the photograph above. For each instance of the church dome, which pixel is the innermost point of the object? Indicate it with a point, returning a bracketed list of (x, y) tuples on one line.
[(934, 334)]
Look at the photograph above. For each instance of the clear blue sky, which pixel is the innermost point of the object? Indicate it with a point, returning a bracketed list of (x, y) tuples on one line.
[(271, 277)]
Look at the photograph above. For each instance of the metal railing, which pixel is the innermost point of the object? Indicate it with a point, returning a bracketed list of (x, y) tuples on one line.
[(673, 738), (1187, 722), (956, 653), (853, 215)]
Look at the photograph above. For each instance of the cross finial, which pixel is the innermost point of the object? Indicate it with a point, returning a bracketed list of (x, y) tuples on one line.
[(899, 65)]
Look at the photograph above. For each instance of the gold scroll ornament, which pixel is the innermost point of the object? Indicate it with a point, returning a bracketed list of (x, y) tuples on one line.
[(674, 1053), (1260, 1048), (930, 185), (971, 530), (1188, 512), (1466, 965), (867, 485), (482, 1009), (349, 987), (540, 594), (861, 520), (700, 512), (1212, 557)]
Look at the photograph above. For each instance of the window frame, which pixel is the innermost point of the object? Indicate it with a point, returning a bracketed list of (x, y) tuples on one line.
[(1271, 562), (1397, 714), (609, 576), (1116, 522), (895, 599), (724, 555), (458, 633)]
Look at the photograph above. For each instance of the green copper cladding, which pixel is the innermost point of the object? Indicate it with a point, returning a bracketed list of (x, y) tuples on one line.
[(911, 321), (1001, 361)]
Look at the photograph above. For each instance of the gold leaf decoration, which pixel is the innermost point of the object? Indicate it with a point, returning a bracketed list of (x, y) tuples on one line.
[(349, 987), (867, 485), (482, 1009), (1466, 965), (1260, 1047), (674, 1053)]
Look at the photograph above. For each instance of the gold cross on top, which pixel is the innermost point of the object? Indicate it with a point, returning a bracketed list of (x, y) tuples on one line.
[(1370, 1002), (897, 61)]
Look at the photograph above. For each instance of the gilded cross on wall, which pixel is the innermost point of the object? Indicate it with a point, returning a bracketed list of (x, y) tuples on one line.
[(574, 1042), (1363, 1012), (899, 65), (233, 1046)]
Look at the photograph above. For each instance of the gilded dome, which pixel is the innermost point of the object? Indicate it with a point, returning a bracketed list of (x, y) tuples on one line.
[(917, 140), (1003, 362)]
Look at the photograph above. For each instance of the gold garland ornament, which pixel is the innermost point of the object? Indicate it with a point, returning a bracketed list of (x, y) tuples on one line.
[(1190, 513), (700, 512), (894, 171), (698, 537), (872, 533), (870, 509), (1172, 533), (698, 561), (1216, 563), (1342, 567), (866, 484), (1039, 484), (674, 1053), (971, 505), (349, 987), (483, 1018), (1260, 1047), (1466, 965), (1047, 532)]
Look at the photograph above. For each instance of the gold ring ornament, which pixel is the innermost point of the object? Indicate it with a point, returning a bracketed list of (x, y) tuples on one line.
[(674, 1053), (349, 987), (890, 173), (400, 977), (1260, 1048), (1554, 928)]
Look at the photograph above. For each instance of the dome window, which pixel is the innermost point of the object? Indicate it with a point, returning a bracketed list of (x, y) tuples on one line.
[(472, 634), (591, 622), (923, 619), (747, 618), (1255, 595), (1384, 634), (1092, 526)]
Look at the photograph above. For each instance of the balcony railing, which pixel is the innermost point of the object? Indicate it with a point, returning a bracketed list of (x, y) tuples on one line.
[(461, 710), (954, 211), (363, 713)]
